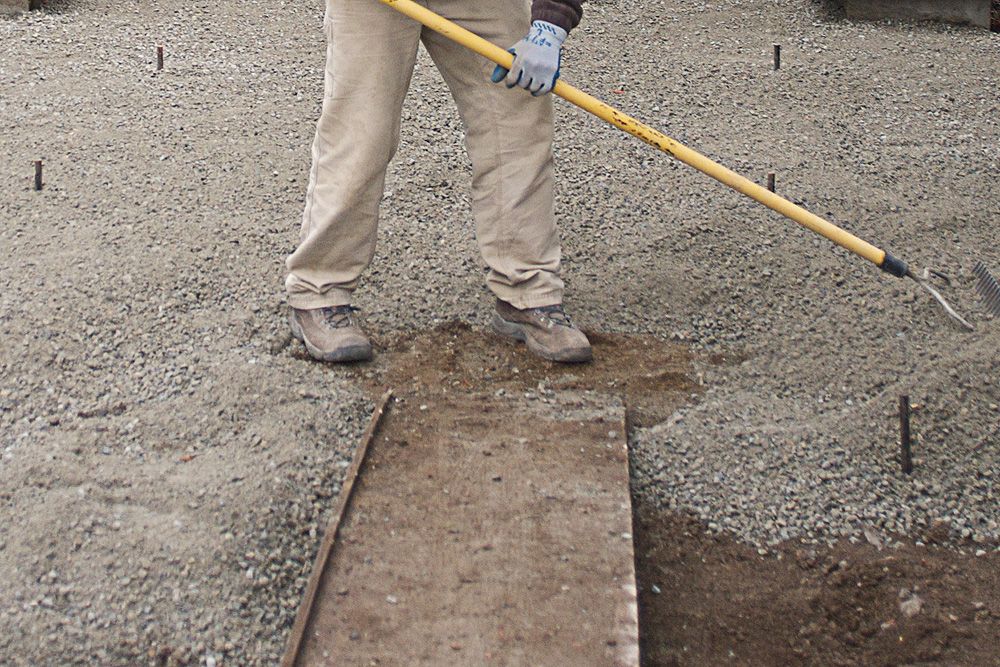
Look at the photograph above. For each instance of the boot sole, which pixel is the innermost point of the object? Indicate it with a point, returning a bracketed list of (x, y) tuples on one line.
[(519, 333), (350, 353)]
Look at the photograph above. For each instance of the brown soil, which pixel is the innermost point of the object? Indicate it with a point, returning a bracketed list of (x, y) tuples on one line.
[(722, 603), (652, 378)]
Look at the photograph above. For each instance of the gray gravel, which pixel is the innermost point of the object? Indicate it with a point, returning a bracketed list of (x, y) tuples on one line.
[(769, 468), (161, 439), (167, 463), (892, 130)]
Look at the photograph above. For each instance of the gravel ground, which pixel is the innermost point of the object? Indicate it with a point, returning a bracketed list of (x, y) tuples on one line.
[(164, 473), (165, 448), (893, 130)]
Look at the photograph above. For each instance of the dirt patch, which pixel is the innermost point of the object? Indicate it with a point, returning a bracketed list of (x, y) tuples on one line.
[(708, 600), (474, 446), (651, 376)]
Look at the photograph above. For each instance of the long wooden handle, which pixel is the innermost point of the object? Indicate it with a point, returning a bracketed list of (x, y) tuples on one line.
[(657, 139)]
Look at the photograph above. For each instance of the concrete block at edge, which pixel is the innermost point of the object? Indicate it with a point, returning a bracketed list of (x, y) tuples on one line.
[(971, 12)]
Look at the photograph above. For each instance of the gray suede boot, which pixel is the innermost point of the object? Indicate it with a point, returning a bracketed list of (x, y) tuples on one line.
[(331, 334), (547, 331)]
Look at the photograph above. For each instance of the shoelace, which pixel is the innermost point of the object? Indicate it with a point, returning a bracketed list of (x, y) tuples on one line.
[(338, 317), (556, 314)]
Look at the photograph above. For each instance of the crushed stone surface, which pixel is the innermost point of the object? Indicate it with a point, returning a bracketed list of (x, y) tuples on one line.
[(167, 456)]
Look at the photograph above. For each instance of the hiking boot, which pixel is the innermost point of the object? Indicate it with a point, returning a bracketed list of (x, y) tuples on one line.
[(547, 331), (331, 334)]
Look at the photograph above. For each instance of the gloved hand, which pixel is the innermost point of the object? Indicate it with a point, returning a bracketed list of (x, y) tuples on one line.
[(536, 60)]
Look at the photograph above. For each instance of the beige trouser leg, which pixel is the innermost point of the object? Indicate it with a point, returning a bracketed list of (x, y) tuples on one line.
[(370, 58)]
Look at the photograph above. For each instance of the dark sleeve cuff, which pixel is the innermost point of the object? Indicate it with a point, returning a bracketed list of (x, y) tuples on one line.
[(563, 13)]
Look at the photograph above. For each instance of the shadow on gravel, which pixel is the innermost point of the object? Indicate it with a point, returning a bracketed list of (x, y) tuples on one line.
[(53, 6), (833, 10)]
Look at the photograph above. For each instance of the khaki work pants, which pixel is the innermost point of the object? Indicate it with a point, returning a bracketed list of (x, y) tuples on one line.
[(370, 58)]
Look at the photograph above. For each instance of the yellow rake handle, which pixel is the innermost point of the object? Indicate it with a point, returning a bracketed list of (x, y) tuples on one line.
[(880, 258)]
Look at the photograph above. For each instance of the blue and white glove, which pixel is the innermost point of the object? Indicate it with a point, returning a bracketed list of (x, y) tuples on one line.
[(536, 60)]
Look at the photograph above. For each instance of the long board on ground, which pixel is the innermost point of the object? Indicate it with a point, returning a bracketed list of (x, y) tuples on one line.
[(487, 532)]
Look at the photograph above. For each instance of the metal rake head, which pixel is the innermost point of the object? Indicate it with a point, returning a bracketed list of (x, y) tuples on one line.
[(988, 288)]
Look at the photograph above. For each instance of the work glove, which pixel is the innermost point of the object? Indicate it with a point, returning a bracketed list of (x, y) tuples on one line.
[(536, 60)]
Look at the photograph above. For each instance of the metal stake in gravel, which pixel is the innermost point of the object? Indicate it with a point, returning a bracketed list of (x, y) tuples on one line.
[(38, 175), (770, 181), (880, 258), (905, 458), (777, 57), (159, 58)]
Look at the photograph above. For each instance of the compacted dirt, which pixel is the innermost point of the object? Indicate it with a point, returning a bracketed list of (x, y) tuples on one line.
[(169, 456), (707, 600)]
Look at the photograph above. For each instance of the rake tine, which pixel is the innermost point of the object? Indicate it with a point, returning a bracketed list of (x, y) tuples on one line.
[(993, 302), (988, 288)]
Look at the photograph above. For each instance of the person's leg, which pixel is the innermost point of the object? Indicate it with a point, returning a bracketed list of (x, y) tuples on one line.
[(370, 56), (509, 140)]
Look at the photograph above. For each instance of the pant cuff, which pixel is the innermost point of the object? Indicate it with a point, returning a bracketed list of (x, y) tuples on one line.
[(329, 299), (521, 301)]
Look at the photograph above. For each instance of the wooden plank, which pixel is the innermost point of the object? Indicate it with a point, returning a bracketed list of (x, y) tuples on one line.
[(486, 531)]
